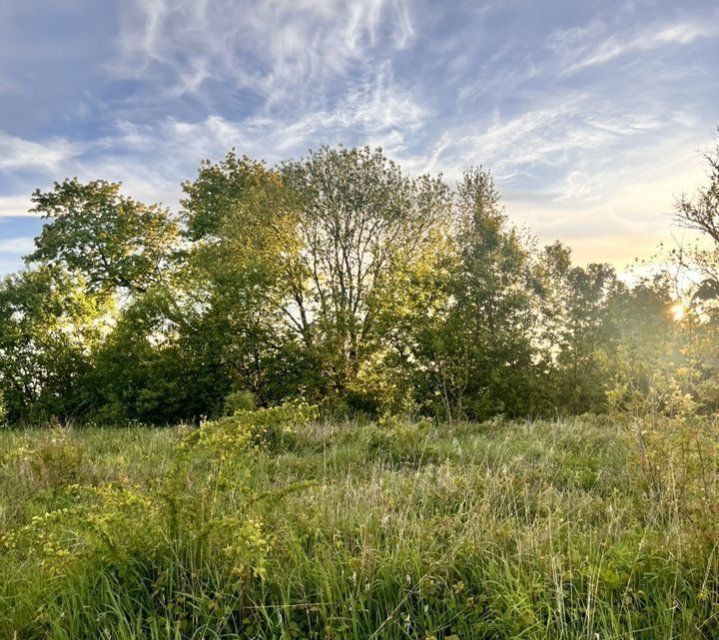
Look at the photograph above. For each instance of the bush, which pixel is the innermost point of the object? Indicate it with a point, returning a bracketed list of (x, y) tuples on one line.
[(56, 461), (679, 463), (242, 400), (270, 429)]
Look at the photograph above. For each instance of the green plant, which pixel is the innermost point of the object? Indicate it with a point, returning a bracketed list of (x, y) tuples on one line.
[(269, 428), (533, 529), (402, 441), (242, 400)]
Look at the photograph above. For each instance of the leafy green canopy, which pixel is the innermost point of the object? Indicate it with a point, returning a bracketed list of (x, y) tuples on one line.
[(338, 278), (116, 242), (50, 329)]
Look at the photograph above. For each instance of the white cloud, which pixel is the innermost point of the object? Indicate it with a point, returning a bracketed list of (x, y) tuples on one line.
[(682, 33), (619, 207), (274, 47), (14, 206), (582, 161), (19, 153), (375, 111), (563, 40), (558, 131)]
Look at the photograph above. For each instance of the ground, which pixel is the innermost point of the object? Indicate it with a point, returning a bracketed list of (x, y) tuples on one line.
[(591, 527)]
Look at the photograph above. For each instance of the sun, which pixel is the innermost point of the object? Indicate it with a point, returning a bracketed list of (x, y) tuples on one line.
[(678, 311)]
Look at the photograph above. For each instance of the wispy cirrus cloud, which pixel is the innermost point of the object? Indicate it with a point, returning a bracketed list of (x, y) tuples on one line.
[(556, 132), (151, 159), (268, 48), (645, 40), (591, 115)]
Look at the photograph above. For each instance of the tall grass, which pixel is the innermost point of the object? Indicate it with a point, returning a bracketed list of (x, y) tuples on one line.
[(569, 529)]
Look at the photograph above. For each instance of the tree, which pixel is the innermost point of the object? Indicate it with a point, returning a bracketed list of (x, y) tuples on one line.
[(300, 264), (49, 328), (144, 370), (116, 242), (217, 191), (653, 364), (243, 277), (474, 347), (579, 330), (362, 223), (337, 277), (701, 213)]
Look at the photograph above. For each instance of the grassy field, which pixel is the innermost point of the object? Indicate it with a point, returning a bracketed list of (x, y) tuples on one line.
[(273, 528)]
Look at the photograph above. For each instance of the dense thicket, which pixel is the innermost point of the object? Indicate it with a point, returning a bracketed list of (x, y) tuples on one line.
[(340, 279)]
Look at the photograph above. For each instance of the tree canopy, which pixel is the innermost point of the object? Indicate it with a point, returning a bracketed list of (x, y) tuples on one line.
[(337, 277)]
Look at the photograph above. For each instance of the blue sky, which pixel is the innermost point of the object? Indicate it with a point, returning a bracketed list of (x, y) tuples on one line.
[(592, 114)]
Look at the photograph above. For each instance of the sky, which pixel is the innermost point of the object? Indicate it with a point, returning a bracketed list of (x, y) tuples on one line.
[(592, 115)]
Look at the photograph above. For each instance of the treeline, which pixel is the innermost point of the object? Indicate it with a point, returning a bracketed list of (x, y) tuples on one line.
[(336, 278)]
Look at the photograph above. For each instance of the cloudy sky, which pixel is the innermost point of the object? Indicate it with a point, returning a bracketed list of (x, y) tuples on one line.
[(592, 115)]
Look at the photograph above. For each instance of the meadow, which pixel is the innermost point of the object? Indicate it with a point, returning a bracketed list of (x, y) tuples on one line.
[(274, 524)]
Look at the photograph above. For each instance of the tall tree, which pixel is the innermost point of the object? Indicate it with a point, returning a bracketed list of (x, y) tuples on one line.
[(362, 222), (243, 274), (116, 242), (49, 329), (578, 330), (477, 349)]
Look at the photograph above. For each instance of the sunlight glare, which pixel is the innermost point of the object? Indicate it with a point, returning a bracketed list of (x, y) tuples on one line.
[(678, 311)]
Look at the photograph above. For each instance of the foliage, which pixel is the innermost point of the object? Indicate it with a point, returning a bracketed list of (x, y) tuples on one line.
[(678, 457), (144, 372), (241, 280), (476, 347), (340, 279), (246, 429), (403, 442), (49, 328), (114, 241), (242, 400), (362, 224)]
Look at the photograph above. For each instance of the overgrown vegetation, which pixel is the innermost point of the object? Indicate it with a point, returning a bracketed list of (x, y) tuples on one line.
[(268, 525)]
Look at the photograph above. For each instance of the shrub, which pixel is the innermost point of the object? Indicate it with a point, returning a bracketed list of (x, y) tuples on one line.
[(100, 524), (270, 429), (242, 400), (679, 463)]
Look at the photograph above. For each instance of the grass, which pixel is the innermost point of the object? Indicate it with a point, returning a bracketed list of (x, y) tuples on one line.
[(580, 528)]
